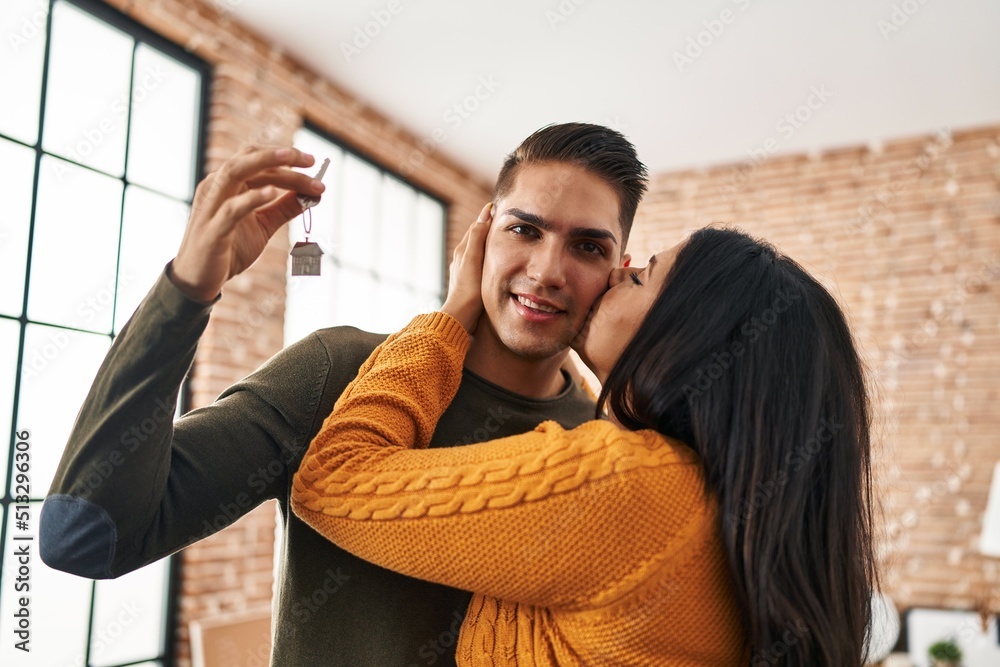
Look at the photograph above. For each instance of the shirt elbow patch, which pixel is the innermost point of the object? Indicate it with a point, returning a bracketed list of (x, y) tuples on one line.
[(76, 536)]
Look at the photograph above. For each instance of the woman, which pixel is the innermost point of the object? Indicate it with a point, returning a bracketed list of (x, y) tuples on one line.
[(721, 516)]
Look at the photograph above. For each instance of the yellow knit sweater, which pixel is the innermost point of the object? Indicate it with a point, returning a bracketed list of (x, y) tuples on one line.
[(595, 546)]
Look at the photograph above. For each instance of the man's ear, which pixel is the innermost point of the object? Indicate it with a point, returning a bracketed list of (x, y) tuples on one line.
[(626, 260)]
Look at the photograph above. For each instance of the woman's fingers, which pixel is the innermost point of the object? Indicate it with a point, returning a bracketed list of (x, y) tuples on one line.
[(465, 300), (459, 252), (487, 213), (477, 234), (474, 238)]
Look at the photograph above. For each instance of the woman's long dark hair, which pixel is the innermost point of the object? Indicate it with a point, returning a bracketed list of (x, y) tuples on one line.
[(749, 360)]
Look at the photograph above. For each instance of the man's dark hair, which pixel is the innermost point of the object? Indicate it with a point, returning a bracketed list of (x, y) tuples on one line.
[(600, 150)]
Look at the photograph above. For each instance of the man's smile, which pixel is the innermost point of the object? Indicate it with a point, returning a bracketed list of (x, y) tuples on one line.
[(537, 303), (536, 309)]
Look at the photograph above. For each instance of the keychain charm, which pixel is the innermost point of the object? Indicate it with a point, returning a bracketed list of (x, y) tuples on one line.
[(306, 255)]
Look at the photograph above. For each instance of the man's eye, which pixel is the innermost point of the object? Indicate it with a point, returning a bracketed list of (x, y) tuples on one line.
[(592, 248), (524, 230)]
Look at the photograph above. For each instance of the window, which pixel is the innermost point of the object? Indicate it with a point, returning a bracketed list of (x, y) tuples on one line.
[(383, 245), (100, 146)]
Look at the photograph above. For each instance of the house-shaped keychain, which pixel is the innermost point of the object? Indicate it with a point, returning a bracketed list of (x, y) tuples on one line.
[(306, 258), (306, 255)]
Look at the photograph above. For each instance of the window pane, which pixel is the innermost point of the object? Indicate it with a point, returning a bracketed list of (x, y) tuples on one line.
[(394, 307), (86, 108), (428, 302), (10, 333), (399, 203), (58, 602), (162, 144), (129, 616), (309, 301), (355, 293), (58, 368), (359, 212), (75, 247), (373, 281), (315, 145), (151, 235), (21, 58), (17, 170), (428, 246)]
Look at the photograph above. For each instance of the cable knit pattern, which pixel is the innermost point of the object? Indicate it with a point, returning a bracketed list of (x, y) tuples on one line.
[(559, 468), (594, 546)]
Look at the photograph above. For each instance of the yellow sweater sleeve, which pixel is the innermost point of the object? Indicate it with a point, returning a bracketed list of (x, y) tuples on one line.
[(552, 517)]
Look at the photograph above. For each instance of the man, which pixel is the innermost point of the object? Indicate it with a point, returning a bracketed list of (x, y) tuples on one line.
[(563, 206)]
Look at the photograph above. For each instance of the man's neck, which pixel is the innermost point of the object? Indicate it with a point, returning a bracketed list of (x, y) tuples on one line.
[(533, 378)]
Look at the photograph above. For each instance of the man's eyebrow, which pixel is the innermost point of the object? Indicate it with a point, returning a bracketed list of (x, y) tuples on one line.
[(542, 223)]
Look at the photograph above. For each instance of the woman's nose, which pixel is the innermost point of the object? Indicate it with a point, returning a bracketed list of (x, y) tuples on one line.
[(618, 275)]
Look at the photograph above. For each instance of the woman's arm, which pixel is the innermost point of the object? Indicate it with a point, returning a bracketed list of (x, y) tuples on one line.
[(551, 517)]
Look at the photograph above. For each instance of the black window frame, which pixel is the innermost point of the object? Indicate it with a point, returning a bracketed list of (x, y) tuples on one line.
[(141, 34), (384, 171)]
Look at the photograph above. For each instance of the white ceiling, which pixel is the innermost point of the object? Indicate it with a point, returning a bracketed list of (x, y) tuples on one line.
[(928, 64)]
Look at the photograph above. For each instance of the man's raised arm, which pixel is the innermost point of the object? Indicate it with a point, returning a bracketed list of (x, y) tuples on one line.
[(132, 486)]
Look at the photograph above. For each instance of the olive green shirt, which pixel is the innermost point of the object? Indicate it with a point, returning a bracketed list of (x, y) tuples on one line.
[(134, 486)]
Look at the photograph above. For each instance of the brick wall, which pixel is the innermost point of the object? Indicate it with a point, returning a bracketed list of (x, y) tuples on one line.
[(907, 235), (261, 95)]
